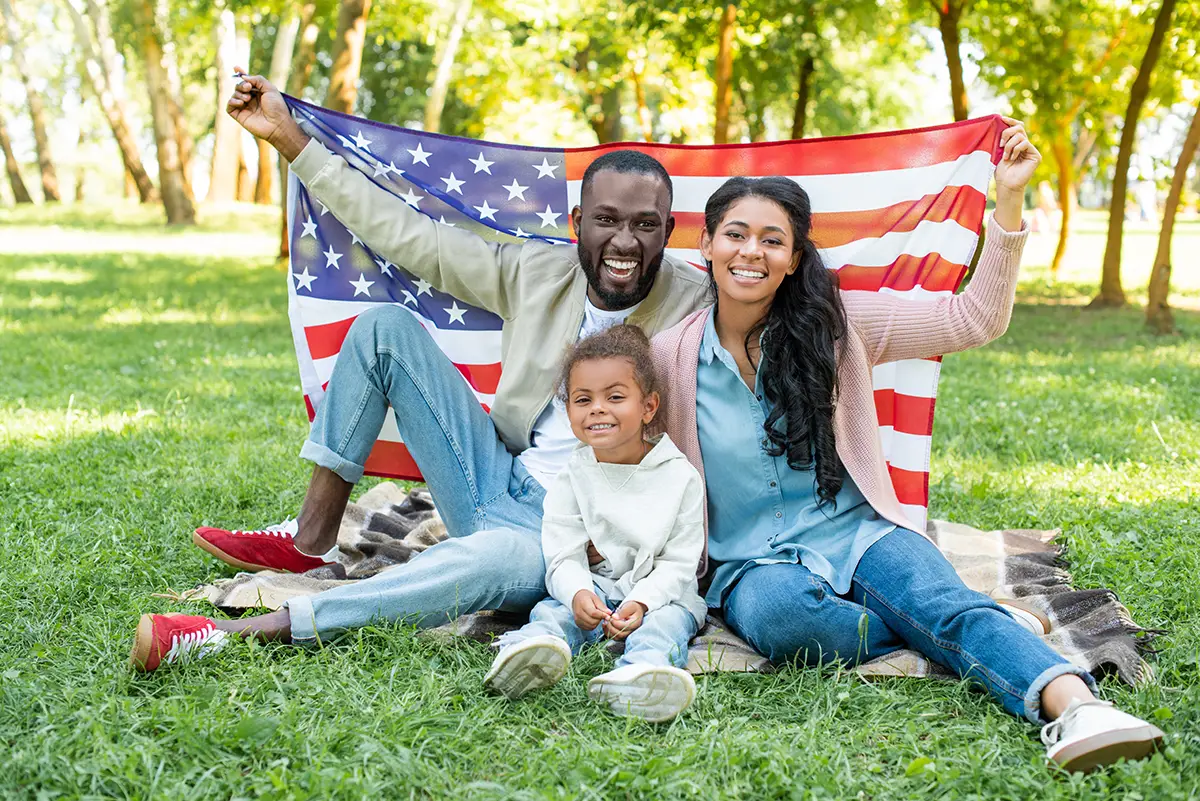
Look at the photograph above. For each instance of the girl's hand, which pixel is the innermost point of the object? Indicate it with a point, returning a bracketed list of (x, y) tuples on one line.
[(626, 620), (589, 610), (1019, 160)]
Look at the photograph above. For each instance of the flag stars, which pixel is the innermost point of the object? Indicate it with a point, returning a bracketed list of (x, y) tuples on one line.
[(424, 287), (482, 164), (354, 240), (545, 168), (516, 190), (419, 155), (304, 280), (361, 142), (408, 297), (310, 228), (412, 198), (456, 314), (486, 212), (549, 218), (385, 266), (447, 224), (331, 258), (452, 184), (520, 233), (362, 286), (384, 169), (324, 209)]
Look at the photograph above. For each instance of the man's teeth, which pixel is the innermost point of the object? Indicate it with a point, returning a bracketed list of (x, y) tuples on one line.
[(747, 273), (620, 268), (600, 426)]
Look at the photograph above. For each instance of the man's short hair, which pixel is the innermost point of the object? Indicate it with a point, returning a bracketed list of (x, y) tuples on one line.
[(630, 162)]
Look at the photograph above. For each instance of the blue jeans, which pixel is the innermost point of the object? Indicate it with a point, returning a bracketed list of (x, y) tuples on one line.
[(662, 639), (904, 595), (492, 507)]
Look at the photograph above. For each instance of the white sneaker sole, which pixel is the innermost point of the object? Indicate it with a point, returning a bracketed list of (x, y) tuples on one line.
[(527, 666), (656, 695), (1107, 747)]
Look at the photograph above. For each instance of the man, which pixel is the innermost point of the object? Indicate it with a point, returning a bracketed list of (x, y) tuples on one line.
[(486, 473)]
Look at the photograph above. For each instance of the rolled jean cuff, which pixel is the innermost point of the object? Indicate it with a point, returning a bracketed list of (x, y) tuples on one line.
[(318, 454), (1033, 698), (303, 621)]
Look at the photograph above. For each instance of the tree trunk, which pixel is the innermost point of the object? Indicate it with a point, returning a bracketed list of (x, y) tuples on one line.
[(1158, 309), (447, 50), (949, 14), (245, 185), (724, 73), (1111, 292), (803, 90), (607, 123), (227, 142), (298, 75), (1060, 146), (639, 95), (129, 186), (281, 57), (174, 95), (95, 75), (347, 55), (19, 190), (37, 108), (176, 200), (80, 166)]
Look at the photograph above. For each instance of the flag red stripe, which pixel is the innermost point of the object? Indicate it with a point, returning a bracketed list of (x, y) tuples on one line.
[(326, 340), (392, 460), (963, 204), (831, 156), (911, 487), (931, 272), (907, 414)]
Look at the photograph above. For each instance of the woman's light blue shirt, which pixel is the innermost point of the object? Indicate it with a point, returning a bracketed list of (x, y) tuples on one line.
[(760, 511)]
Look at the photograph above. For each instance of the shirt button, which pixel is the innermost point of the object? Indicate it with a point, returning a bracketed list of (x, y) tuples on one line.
[(772, 483), (766, 443), (759, 397), (779, 514)]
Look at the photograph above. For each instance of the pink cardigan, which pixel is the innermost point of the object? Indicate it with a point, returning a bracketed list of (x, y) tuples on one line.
[(881, 328)]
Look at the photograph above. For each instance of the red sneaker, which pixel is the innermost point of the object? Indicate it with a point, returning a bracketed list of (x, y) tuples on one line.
[(272, 548), (166, 638)]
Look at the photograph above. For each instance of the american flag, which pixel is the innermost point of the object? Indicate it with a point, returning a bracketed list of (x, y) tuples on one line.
[(896, 212)]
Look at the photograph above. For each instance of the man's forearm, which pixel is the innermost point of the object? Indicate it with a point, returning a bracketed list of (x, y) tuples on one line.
[(290, 141)]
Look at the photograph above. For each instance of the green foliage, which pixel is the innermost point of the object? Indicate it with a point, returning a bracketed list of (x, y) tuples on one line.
[(152, 388)]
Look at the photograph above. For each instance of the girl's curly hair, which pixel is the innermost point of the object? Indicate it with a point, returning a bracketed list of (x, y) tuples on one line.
[(619, 342)]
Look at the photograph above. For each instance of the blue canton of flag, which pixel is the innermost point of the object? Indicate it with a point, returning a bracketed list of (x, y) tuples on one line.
[(503, 193)]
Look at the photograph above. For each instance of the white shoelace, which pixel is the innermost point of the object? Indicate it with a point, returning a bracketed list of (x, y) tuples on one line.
[(287, 528), (1052, 731), (197, 644)]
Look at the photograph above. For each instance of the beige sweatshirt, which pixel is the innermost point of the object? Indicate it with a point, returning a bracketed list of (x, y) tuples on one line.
[(646, 520)]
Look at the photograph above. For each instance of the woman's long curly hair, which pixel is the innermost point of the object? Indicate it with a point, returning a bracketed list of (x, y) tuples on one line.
[(798, 362)]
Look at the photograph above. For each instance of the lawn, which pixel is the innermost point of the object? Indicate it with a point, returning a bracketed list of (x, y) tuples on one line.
[(151, 387)]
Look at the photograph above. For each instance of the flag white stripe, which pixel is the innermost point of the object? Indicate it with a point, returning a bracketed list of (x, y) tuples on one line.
[(916, 377), (845, 192), (917, 515), (907, 451), (324, 369)]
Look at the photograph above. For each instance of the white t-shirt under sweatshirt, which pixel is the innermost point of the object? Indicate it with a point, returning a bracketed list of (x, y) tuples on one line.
[(552, 439), (646, 520)]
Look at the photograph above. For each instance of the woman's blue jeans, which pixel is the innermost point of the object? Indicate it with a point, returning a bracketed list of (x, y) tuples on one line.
[(904, 595), (490, 503)]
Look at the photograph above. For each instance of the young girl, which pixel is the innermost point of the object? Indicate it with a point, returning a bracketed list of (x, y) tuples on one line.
[(640, 504)]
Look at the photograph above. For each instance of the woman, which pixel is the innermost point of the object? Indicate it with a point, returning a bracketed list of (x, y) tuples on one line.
[(811, 555)]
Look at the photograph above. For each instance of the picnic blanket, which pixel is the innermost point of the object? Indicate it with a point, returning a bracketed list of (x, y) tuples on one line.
[(388, 526)]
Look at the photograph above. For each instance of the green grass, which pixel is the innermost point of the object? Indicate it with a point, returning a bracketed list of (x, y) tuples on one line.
[(150, 386)]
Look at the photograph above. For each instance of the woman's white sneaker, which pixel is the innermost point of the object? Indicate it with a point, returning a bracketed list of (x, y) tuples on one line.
[(528, 665), (655, 693), (1092, 734)]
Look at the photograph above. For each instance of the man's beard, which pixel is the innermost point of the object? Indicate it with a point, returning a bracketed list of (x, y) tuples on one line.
[(619, 300)]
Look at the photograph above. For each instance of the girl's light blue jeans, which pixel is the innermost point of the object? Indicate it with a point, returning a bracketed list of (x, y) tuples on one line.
[(904, 595), (492, 507), (662, 639)]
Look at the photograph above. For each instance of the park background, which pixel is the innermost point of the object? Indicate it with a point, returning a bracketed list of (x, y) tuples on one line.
[(150, 384)]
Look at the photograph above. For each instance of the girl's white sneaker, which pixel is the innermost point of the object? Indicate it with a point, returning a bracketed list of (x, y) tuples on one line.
[(655, 693), (532, 664), (1092, 734)]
